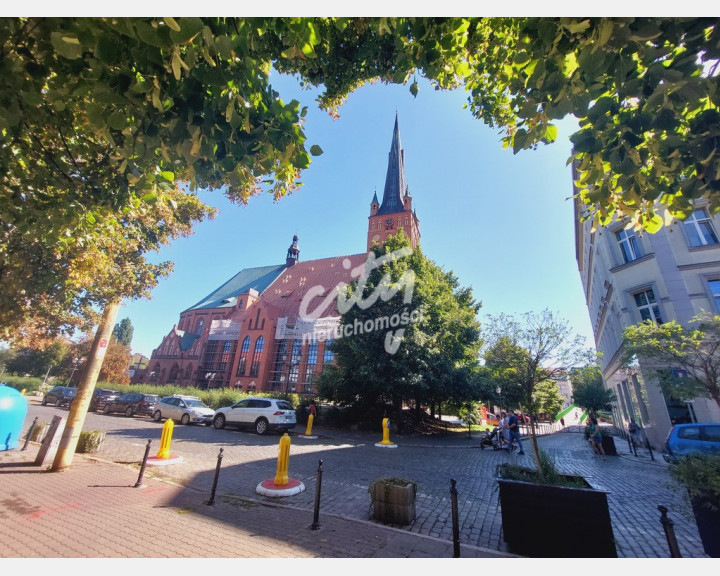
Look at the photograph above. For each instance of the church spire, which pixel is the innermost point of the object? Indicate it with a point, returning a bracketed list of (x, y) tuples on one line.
[(395, 177)]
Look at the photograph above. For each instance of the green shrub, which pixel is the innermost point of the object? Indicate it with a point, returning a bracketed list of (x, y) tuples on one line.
[(39, 431), (29, 384), (90, 441), (700, 474)]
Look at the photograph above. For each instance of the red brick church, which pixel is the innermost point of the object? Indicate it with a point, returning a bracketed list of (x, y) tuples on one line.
[(251, 332)]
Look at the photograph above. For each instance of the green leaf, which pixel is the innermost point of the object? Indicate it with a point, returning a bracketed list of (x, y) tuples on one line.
[(414, 88), (189, 28), (169, 176), (67, 45), (315, 150)]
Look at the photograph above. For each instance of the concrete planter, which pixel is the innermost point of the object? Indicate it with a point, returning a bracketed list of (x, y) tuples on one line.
[(393, 501), (707, 517), (547, 521)]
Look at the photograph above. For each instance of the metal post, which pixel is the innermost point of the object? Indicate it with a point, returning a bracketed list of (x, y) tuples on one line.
[(27, 438), (316, 517), (667, 525), (455, 524), (211, 502), (647, 445), (142, 467)]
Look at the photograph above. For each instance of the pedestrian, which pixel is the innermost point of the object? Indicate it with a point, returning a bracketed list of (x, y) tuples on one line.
[(634, 431), (514, 431), (596, 436), (313, 409), (504, 428)]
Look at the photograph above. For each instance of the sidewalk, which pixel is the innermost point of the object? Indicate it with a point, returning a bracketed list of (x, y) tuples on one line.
[(94, 510)]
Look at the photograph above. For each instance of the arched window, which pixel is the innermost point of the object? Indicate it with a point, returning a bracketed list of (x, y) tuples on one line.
[(257, 356), (199, 328), (225, 358), (188, 371), (244, 351), (173, 373)]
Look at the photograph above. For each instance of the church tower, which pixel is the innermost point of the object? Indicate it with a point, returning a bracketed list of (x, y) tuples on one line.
[(396, 210)]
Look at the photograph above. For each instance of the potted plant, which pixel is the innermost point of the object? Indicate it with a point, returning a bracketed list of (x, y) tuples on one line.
[(393, 500), (700, 475), (556, 516)]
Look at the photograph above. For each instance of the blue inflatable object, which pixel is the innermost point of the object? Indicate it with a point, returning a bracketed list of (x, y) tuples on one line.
[(13, 409)]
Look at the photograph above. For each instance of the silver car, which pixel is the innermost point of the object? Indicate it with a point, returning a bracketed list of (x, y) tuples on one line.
[(185, 409), (262, 414)]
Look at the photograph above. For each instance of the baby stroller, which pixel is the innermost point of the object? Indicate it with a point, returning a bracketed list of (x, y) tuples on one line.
[(492, 439)]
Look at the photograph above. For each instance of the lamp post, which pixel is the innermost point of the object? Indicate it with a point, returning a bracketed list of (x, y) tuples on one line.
[(46, 375)]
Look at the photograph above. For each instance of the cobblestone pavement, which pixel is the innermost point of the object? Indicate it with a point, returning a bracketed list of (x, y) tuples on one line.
[(351, 461)]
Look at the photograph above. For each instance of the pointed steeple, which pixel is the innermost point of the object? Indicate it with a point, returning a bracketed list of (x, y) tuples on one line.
[(375, 200), (293, 253), (395, 178)]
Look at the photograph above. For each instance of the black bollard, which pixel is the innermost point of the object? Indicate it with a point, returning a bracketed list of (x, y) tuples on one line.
[(211, 502), (455, 523), (27, 438), (316, 517), (667, 525), (142, 467), (647, 445)]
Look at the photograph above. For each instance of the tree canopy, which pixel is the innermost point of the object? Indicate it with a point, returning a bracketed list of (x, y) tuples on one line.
[(686, 361), (589, 392), (123, 331), (426, 352), (103, 119)]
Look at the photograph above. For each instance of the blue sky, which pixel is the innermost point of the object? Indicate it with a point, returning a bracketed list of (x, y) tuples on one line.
[(502, 223)]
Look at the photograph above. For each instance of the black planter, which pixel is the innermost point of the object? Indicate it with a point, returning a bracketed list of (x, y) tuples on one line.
[(708, 523), (608, 444), (544, 521)]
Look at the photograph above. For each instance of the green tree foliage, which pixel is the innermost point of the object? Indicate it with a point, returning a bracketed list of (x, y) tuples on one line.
[(436, 357), (525, 352), (37, 362), (102, 118), (123, 331), (589, 392), (547, 397), (665, 348)]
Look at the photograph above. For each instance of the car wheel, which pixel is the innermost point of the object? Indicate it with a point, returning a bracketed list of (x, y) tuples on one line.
[(185, 420), (58, 403), (44, 401), (261, 426), (106, 410), (129, 412), (219, 421), (157, 416)]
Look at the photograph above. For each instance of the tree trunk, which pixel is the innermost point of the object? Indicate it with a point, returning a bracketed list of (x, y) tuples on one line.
[(81, 403)]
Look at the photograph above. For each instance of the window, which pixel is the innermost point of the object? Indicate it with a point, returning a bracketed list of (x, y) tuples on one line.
[(629, 245), (699, 229), (328, 356), (199, 328), (257, 356), (715, 289), (295, 362), (648, 306), (244, 350), (310, 366)]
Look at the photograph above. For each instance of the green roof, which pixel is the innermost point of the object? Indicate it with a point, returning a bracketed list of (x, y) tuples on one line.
[(251, 278)]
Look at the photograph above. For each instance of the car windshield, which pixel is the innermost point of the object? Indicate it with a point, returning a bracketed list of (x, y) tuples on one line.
[(195, 404)]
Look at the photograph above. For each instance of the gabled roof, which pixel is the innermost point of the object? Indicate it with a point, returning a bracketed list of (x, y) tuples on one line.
[(395, 178), (250, 278), (287, 292)]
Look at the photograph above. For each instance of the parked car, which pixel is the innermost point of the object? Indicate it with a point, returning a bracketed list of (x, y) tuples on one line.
[(262, 414), (697, 438), (133, 403), (100, 397), (59, 396), (185, 409)]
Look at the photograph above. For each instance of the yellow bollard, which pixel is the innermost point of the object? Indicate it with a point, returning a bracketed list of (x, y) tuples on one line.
[(22, 391), (308, 430), (386, 432), (164, 452), (281, 478)]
